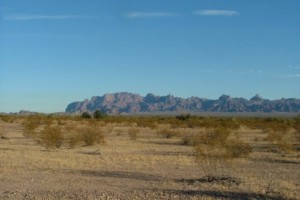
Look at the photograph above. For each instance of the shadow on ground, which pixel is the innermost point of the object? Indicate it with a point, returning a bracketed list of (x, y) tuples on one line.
[(120, 174), (274, 161), (166, 153), (211, 179), (164, 142)]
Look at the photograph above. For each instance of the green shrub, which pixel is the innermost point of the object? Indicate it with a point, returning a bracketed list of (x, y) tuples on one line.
[(183, 117), (99, 114), (86, 115)]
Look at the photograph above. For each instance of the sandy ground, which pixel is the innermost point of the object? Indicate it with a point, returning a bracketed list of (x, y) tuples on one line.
[(148, 168)]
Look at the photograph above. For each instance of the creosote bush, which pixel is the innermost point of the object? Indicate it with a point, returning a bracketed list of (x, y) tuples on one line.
[(99, 114), (187, 140), (133, 133), (167, 133), (91, 136), (215, 152), (7, 118), (86, 115), (51, 137), (183, 117), (237, 149), (297, 128), (87, 136), (214, 137), (213, 162), (30, 125), (282, 141), (2, 133)]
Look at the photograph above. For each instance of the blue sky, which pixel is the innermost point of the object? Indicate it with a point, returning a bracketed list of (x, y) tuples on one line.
[(53, 52)]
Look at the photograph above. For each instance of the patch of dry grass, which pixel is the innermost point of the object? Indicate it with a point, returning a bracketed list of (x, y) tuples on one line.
[(133, 133)]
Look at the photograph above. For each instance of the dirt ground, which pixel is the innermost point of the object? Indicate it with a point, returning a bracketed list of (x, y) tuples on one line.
[(147, 168)]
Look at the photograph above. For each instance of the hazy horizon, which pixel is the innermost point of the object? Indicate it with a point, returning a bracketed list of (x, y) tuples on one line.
[(55, 52)]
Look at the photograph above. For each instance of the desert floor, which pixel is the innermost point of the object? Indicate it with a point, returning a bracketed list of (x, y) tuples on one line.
[(149, 167)]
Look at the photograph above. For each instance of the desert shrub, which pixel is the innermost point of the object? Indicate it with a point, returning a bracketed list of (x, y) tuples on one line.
[(167, 133), (2, 133), (86, 115), (148, 124), (236, 149), (214, 137), (30, 125), (109, 129), (211, 137), (133, 133), (7, 118), (215, 153), (282, 142), (213, 162), (297, 128), (145, 122), (187, 140), (297, 124), (88, 136), (118, 132), (74, 140), (99, 114), (51, 137), (91, 136), (61, 122), (70, 128), (183, 117), (93, 123)]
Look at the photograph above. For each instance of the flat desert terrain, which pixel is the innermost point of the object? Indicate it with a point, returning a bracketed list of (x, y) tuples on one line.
[(141, 165)]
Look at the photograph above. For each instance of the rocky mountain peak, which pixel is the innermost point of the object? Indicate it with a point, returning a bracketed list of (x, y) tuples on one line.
[(256, 98), (225, 98), (125, 102)]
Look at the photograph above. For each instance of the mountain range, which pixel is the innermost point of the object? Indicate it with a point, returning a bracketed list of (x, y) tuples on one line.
[(124, 102)]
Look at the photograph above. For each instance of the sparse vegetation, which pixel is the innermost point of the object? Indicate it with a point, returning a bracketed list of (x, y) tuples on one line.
[(30, 125), (51, 137), (133, 133), (282, 142), (99, 114), (7, 118), (2, 133), (183, 117), (91, 136), (167, 133), (216, 150), (86, 115), (237, 149)]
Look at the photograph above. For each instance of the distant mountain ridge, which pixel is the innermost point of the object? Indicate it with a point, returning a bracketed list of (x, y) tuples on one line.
[(124, 102)]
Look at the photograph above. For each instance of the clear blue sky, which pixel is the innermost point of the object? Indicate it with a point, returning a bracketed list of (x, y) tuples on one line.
[(53, 52)]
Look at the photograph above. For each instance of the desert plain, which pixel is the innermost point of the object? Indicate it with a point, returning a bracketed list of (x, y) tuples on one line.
[(149, 158)]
